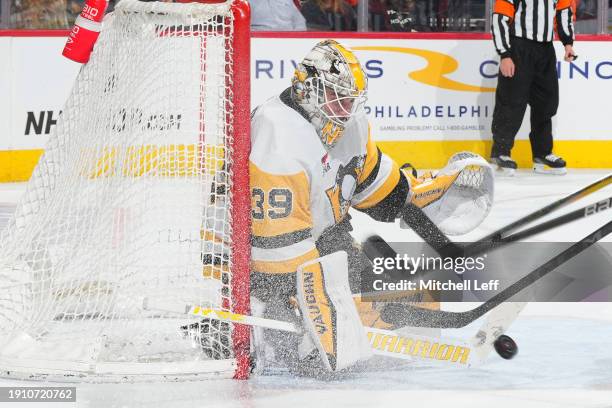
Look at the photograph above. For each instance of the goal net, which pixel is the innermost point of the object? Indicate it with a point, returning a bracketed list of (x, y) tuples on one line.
[(140, 198)]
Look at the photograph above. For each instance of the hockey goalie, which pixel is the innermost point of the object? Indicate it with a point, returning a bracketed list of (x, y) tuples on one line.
[(312, 159)]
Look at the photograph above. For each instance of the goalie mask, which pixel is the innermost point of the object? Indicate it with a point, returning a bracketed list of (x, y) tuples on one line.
[(330, 85)]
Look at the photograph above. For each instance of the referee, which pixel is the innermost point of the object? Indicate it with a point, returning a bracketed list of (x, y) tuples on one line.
[(523, 35)]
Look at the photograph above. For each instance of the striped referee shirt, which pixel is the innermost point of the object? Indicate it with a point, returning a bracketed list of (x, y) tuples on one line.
[(531, 19)]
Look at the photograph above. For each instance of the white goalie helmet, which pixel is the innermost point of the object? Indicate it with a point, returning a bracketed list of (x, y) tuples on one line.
[(330, 85)]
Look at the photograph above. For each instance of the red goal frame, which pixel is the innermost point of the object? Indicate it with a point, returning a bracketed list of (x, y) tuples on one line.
[(241, 197)]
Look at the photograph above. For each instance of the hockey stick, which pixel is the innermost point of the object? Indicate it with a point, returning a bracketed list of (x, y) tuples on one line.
[(562, 202), (408, 346), (431, 234), (377, 247), (420, 317), (481, 245)]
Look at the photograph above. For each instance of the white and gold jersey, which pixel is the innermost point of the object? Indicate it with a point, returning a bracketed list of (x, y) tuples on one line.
[(298, 189)]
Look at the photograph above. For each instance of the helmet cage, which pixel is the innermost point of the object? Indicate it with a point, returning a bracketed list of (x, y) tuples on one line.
[(337, 103), (330, 86)]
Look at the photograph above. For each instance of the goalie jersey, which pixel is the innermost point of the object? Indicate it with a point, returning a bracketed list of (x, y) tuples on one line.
[(299, 189)]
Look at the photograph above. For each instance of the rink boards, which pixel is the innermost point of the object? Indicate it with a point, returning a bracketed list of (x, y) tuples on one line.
[(424, 90)]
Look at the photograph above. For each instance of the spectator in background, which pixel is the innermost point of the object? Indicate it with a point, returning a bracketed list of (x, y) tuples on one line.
[(348, 11), (403, 15), (585, 9), (276, 15), (335, 15), (74, 7), (377, 10), (318, 14), (38, 14)]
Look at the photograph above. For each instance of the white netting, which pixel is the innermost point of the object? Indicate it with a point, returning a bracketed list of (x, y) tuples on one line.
[(468, 200), (130, 201)]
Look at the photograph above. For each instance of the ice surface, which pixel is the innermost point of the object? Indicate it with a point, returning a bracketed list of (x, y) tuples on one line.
[(564, 358)]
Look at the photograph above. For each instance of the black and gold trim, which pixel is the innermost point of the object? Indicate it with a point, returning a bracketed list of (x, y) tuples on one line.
[(371, 177), (282, 240), (387, 209)]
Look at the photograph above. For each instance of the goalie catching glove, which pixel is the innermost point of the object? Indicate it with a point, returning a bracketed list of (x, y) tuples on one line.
[(459, 197)]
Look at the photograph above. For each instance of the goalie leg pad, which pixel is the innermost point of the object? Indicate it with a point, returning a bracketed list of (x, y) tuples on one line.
[(329, 315), (272, 297)]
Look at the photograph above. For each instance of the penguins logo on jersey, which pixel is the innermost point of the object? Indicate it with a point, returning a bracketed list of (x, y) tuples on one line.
[(341, 192)]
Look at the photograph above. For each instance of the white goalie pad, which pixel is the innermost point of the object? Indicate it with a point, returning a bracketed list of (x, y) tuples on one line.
[(329, 313), (467, 200)]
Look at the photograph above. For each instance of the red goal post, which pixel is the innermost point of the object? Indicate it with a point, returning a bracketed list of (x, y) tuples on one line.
[(241, 194)]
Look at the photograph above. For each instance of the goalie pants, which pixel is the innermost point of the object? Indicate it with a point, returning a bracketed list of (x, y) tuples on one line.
[(276, 293), (268, 287), (276, 289), (534, 83)]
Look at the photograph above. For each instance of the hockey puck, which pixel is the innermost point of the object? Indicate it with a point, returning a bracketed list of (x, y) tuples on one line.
[(505, 347)]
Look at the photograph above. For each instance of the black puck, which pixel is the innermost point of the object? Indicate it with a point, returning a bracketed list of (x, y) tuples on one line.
[(505, 347)]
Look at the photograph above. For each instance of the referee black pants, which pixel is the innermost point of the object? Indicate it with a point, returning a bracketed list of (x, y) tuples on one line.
[(535, 82)]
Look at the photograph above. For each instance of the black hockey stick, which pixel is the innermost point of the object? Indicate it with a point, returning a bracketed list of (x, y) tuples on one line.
[(481, 245), (562, 202), (419, 317), (431, 234), (376, 247)]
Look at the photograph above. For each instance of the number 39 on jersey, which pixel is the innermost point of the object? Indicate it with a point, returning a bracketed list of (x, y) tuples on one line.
[(274, 203)]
